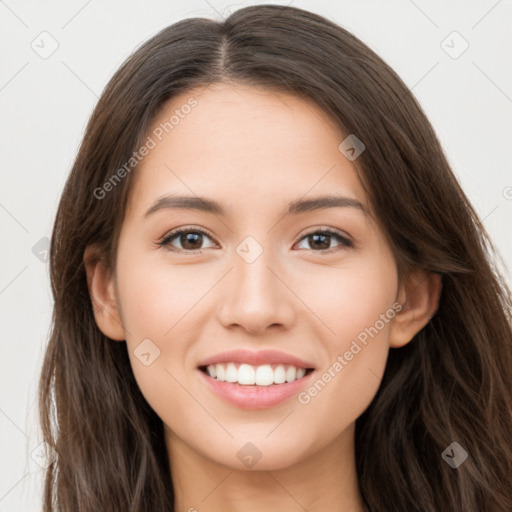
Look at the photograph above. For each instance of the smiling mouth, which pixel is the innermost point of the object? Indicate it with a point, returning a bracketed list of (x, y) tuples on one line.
[(252, 375)]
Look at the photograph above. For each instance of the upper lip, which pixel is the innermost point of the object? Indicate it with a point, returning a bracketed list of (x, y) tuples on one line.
[(260, 357)]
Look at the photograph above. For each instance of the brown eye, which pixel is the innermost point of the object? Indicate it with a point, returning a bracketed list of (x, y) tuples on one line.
[(190, 240), (320, 241)]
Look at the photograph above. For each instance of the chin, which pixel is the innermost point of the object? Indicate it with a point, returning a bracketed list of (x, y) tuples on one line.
[(259, 454)]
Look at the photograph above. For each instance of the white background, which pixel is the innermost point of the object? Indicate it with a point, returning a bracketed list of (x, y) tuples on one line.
[(45, 104)]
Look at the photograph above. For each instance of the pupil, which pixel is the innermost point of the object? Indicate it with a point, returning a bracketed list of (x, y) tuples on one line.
[(325, 237), (190, 238)]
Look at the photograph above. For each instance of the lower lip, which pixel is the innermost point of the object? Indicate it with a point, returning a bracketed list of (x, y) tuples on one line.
[(255, 397)]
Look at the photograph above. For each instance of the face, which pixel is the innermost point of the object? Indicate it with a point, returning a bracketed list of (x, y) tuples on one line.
[(250, 284)]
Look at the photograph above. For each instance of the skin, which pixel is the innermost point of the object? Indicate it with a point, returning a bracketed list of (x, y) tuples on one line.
[(253, 151)]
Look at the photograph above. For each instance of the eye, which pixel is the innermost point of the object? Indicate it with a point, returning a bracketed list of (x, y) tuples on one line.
[(189, 238), (321, 239)]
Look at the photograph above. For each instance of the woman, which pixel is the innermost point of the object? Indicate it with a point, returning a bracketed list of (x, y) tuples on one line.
[(270, 290)]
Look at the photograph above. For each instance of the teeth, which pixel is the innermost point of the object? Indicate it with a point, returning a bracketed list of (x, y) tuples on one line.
[(264, 375), (291, 373), (219, 370), (279, 375), (231, 373), (247, 375)]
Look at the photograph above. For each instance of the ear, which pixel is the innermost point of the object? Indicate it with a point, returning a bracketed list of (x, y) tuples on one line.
[(100, 282), (419, 297)]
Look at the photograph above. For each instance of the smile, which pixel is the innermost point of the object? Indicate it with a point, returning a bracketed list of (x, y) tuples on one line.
[(255, 379), (251, 375)]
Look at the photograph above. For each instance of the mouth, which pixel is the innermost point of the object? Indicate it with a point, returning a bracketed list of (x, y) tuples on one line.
[(255, 375), (255, 379)]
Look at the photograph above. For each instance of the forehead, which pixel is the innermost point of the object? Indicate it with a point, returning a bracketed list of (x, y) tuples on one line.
[(245, 144)]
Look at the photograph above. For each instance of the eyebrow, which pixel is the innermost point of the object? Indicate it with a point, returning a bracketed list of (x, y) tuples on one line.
[(293, 208)]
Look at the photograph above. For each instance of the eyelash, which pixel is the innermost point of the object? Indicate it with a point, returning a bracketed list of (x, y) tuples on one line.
[(344, 242)]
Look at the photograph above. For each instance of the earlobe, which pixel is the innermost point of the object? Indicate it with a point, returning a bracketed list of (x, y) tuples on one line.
[(419, 297), (100, 283)]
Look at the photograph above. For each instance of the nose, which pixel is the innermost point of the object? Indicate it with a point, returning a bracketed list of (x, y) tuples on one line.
[(255, 296)]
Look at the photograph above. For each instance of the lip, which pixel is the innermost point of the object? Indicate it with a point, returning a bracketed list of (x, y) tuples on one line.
[(260, 357), (252, 396)]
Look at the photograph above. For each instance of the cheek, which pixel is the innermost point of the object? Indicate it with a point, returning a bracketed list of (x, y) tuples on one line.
[(157, 307), (352, 298), (356, 304), (156, 297)]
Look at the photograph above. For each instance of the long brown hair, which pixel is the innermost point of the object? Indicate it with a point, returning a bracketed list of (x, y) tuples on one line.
[(451, 383)]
